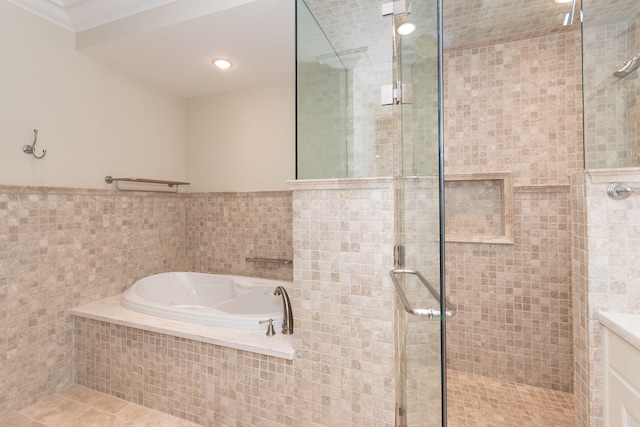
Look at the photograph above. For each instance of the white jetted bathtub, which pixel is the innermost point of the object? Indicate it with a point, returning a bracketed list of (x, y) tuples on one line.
[(208, 299)]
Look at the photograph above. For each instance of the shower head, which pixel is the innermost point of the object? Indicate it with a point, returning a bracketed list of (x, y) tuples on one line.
[(628, 68)]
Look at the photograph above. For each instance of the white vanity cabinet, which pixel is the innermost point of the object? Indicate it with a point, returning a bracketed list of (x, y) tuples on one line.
[(621, 377)]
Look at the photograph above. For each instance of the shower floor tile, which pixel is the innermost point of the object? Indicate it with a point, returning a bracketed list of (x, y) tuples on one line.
[(77, 406), (474, 400)]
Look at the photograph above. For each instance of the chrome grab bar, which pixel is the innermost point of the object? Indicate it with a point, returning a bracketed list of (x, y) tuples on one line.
[(427, 312), (271, 260)]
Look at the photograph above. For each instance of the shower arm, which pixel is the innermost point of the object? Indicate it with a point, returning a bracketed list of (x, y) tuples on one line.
[(629, 67)]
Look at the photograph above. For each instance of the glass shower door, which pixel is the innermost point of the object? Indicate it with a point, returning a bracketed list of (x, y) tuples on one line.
[(368, 106), (418, 275)]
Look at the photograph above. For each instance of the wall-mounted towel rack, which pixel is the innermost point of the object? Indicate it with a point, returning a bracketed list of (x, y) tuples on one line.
[(270, 260), (620, 191), (171, 184)]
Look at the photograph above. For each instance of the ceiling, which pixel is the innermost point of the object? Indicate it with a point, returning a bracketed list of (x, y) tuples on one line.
[(171, 43)]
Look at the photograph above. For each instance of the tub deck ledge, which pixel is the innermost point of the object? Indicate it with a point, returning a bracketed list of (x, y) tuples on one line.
[(109, 310)]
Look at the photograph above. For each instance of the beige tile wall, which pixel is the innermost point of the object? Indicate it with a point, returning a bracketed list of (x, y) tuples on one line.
[(63, 247), (580, 306), (343, 246), (606, 276), (223, 229), (200, 382), (59, 248), (516, 107), (344, 370), (474, 208), (514, 301)]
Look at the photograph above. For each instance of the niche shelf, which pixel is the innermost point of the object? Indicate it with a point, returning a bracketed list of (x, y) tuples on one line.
[(479, 208)]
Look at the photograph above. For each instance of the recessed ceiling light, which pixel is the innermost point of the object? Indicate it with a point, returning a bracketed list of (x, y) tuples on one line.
[(562, 1), (406, 28), (223, 64)]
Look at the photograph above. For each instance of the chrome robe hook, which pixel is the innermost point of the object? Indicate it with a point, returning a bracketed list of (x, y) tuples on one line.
[(31, 149)]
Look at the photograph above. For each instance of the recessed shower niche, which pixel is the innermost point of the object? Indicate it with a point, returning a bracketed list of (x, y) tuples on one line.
[(479, 208)]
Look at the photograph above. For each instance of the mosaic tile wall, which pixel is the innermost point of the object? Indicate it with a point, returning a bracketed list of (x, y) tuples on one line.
[(223, 229), (474, 208), (344, 370), (63, 247), (514, 301), (579, 293), (606, 276), (203, 383), (516, 107), (343, 246)]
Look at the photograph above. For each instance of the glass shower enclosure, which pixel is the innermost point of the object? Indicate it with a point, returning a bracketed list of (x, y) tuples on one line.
[(368, 92), (611, 59)]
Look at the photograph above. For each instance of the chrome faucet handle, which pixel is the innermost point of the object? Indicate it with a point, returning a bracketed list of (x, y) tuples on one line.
[(270, 329), (287, 320)]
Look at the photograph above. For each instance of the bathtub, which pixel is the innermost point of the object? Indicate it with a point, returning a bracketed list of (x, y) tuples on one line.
[(209, 299)]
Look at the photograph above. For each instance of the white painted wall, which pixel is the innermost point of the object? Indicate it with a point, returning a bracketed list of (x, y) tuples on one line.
[(93, 121), (242, 140)]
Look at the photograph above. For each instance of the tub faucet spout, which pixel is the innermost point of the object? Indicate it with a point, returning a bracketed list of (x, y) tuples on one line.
[(287, 322)]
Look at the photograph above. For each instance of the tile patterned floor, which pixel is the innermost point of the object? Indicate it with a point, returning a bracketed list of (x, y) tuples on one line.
[(474, 400), (77, 406)]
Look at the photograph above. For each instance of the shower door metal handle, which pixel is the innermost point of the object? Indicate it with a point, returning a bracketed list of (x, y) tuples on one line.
[(450, 310)]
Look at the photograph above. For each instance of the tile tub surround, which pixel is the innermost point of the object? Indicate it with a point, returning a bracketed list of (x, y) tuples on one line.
[(197, 381), (606, 276), (223, 229), (111, 311), (62, 247), (344, 369)]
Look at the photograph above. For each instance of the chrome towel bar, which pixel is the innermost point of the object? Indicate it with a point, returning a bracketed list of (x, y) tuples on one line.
[(109, 179), (427, 312), (271, 260)]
